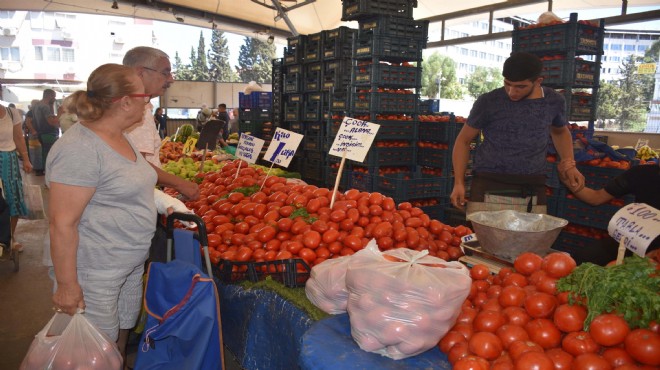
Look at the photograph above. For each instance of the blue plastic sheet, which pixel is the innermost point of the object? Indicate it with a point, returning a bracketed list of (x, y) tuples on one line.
[(262, 329), (328, 345)]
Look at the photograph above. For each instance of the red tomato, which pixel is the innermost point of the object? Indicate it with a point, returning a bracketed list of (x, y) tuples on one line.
[(527, 263), (609, 329), (560, 358), (590, 361), (517, 348), (478, 271), (509, 333), (470, 362), (516, 315), (308, 255), (457, 352), (534, 360), (558, 264), (266, 233), (644, 346), (353, 242), (312, 239), (512, 295), (540, 305), (617, 356), (452, 337), (544, 333), (489, 321), (515, 278), (579, 342), (570, 318)]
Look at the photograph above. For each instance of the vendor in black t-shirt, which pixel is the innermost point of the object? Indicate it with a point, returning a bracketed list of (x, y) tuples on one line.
[(641, 181)]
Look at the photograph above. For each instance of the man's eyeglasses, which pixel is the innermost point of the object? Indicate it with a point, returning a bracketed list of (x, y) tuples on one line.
[(145, 97), (165, 74)]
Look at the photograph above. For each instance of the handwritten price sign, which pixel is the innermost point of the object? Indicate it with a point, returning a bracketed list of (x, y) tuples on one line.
[(355, 138), (639, 223), (283, 147), (248, 148)]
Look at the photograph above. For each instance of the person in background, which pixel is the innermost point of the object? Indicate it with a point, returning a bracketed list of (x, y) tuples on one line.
[(204, 115), (46, 124), (11, 141), (161, 122), (28, 125), (154, 69), (66, 117), (516, 120), (233, 122), (224, 117)]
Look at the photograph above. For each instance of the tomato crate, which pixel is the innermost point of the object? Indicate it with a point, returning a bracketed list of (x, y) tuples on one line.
[(296, 68), (293, 83), (386, 75), (578, 212), (254, 114), (597, 177), (431, 157), (579, 36), (255, 100), (395, 26), (361, 181), (330, 171), (429, 106), (312, 82), (586, 248), (291, 273), (292, 112), (338, 43), (581, 108), (435, 212), (312, 169), (313, 48), (339, 100), (384, 102), (575, 72), (403, 187), (313, 142), (552, 175), (338, 81), (444, 132), (298, 127), (396, 130), (293, 55), (390, 156), (356, 10), (454, 217), (312, 110), (252, 126), (388, 47)]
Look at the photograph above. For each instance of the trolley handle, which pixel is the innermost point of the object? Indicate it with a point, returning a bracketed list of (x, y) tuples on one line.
[(190, 217)]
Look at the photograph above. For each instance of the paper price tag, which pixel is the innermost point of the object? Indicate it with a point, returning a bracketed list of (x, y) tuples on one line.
[(248, 148), (283, 147), (189, 146), (639, 223), (355, 138)]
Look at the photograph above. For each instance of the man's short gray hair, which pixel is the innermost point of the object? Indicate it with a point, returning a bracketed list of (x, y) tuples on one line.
[(143, 55)]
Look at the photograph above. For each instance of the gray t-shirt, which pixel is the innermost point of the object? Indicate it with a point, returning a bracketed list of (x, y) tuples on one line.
[(40, 119), (118, 223), (516, 134)]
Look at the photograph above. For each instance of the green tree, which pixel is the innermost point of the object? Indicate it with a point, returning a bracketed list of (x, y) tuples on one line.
[(255, 61), (436, 67), (199, 65), (182, 71), (652, 54), (483, 80), (608, 102), (218, 57), (632, 101)]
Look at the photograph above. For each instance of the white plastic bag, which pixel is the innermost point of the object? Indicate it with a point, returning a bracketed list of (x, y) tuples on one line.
[(71, 342), (326, 287), (402, 301)]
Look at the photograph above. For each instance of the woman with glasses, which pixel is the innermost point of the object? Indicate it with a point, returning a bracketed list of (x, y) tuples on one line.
[(101, 207)]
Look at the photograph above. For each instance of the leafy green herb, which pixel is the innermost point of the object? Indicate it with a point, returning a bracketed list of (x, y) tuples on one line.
[(247, 191), (302, 212), (631, 289)]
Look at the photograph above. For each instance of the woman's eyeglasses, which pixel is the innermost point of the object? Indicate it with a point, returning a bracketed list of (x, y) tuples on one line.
[(145, 97)]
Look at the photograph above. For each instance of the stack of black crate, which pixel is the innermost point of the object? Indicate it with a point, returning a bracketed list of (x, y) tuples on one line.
[(254, 114)]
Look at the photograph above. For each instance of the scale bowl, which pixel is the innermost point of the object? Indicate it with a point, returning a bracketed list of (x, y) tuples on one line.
[(507, 234)]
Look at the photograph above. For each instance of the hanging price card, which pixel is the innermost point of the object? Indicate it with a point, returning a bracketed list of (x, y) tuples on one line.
[(638, 223), (283, 147), (248, 148), (354, 138)]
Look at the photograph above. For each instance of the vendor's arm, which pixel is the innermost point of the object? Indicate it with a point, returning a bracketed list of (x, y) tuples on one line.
[(19, 141), (460, 157), (65, 208), (561, 138), (593, 197)]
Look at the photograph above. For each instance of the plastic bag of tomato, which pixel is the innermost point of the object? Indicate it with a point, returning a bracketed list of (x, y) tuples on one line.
[(546, 313), (254, 218)]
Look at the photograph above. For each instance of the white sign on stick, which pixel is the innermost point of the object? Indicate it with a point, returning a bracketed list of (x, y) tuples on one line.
[(248, 148), (639, 223), (283, 147), (355, 138)]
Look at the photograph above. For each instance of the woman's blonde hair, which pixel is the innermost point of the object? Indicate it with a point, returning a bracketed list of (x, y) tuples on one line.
[(106, 82)]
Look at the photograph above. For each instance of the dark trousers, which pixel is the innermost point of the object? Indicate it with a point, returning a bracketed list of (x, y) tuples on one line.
[(46, 141), (5, 223)]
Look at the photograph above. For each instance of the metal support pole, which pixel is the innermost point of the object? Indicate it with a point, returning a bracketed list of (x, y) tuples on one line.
[(282, 13)]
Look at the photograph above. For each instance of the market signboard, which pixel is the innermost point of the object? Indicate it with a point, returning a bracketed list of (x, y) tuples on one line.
[(638, 223), (646, 68), (354, 139), (283, 147), (249, 147)]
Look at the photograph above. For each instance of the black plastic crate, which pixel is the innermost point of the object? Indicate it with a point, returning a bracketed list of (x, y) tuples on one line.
[(430, 157), (339, 100), (313, 48), (581, 108), (578, 212), (442, 132), (291, 273), (338, 43), (254, 114), (293, 56), (572, 35), (298, 127), (575, 72), (411, 186), (454, 217), (429, 106), (254, 127), (292, 112), (295, 98), (390, 156), (312, 168), (384, 102), (313, 142), (296, 42), (396, 129), (387, 75), (312, 110), (389, 48), (312, 81), (355, 10), (397, 27), (331, 169), (293, 83)]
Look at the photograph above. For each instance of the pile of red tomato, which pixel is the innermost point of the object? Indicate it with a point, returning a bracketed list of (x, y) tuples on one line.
[(283, 220), (516, 319)]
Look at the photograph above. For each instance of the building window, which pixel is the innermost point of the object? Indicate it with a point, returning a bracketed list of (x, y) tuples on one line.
[(615, 59), (462, 66), (482, 55), (471, 68), (7, 14), (38, 53), (464, 51), (642, 47), (10, 54), (499, 58), (473, 53), (68, 55), (606, 46), (616, 46), (629, 47), (500, 44), (53, 54)]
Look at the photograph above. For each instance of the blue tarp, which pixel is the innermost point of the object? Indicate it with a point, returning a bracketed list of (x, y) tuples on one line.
[(328, 345)]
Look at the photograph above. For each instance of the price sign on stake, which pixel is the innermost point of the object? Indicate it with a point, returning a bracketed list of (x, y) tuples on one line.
[(189, 146), (635, 226), (354, 139), (283, 147), (248, 148)]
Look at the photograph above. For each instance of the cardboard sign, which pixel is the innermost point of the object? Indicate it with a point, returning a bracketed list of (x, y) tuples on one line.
[(249, 147), (355, 138), (189, 146), (283, 147), (646, 68), (639, 223)]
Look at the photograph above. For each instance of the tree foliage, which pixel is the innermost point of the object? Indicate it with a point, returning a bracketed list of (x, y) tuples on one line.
[(441, 67), (200, 66), (483, 80), (255, 61), (218, 58), (182, 71)]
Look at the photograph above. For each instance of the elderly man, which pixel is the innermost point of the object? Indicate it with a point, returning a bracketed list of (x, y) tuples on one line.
[(47, 126)]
